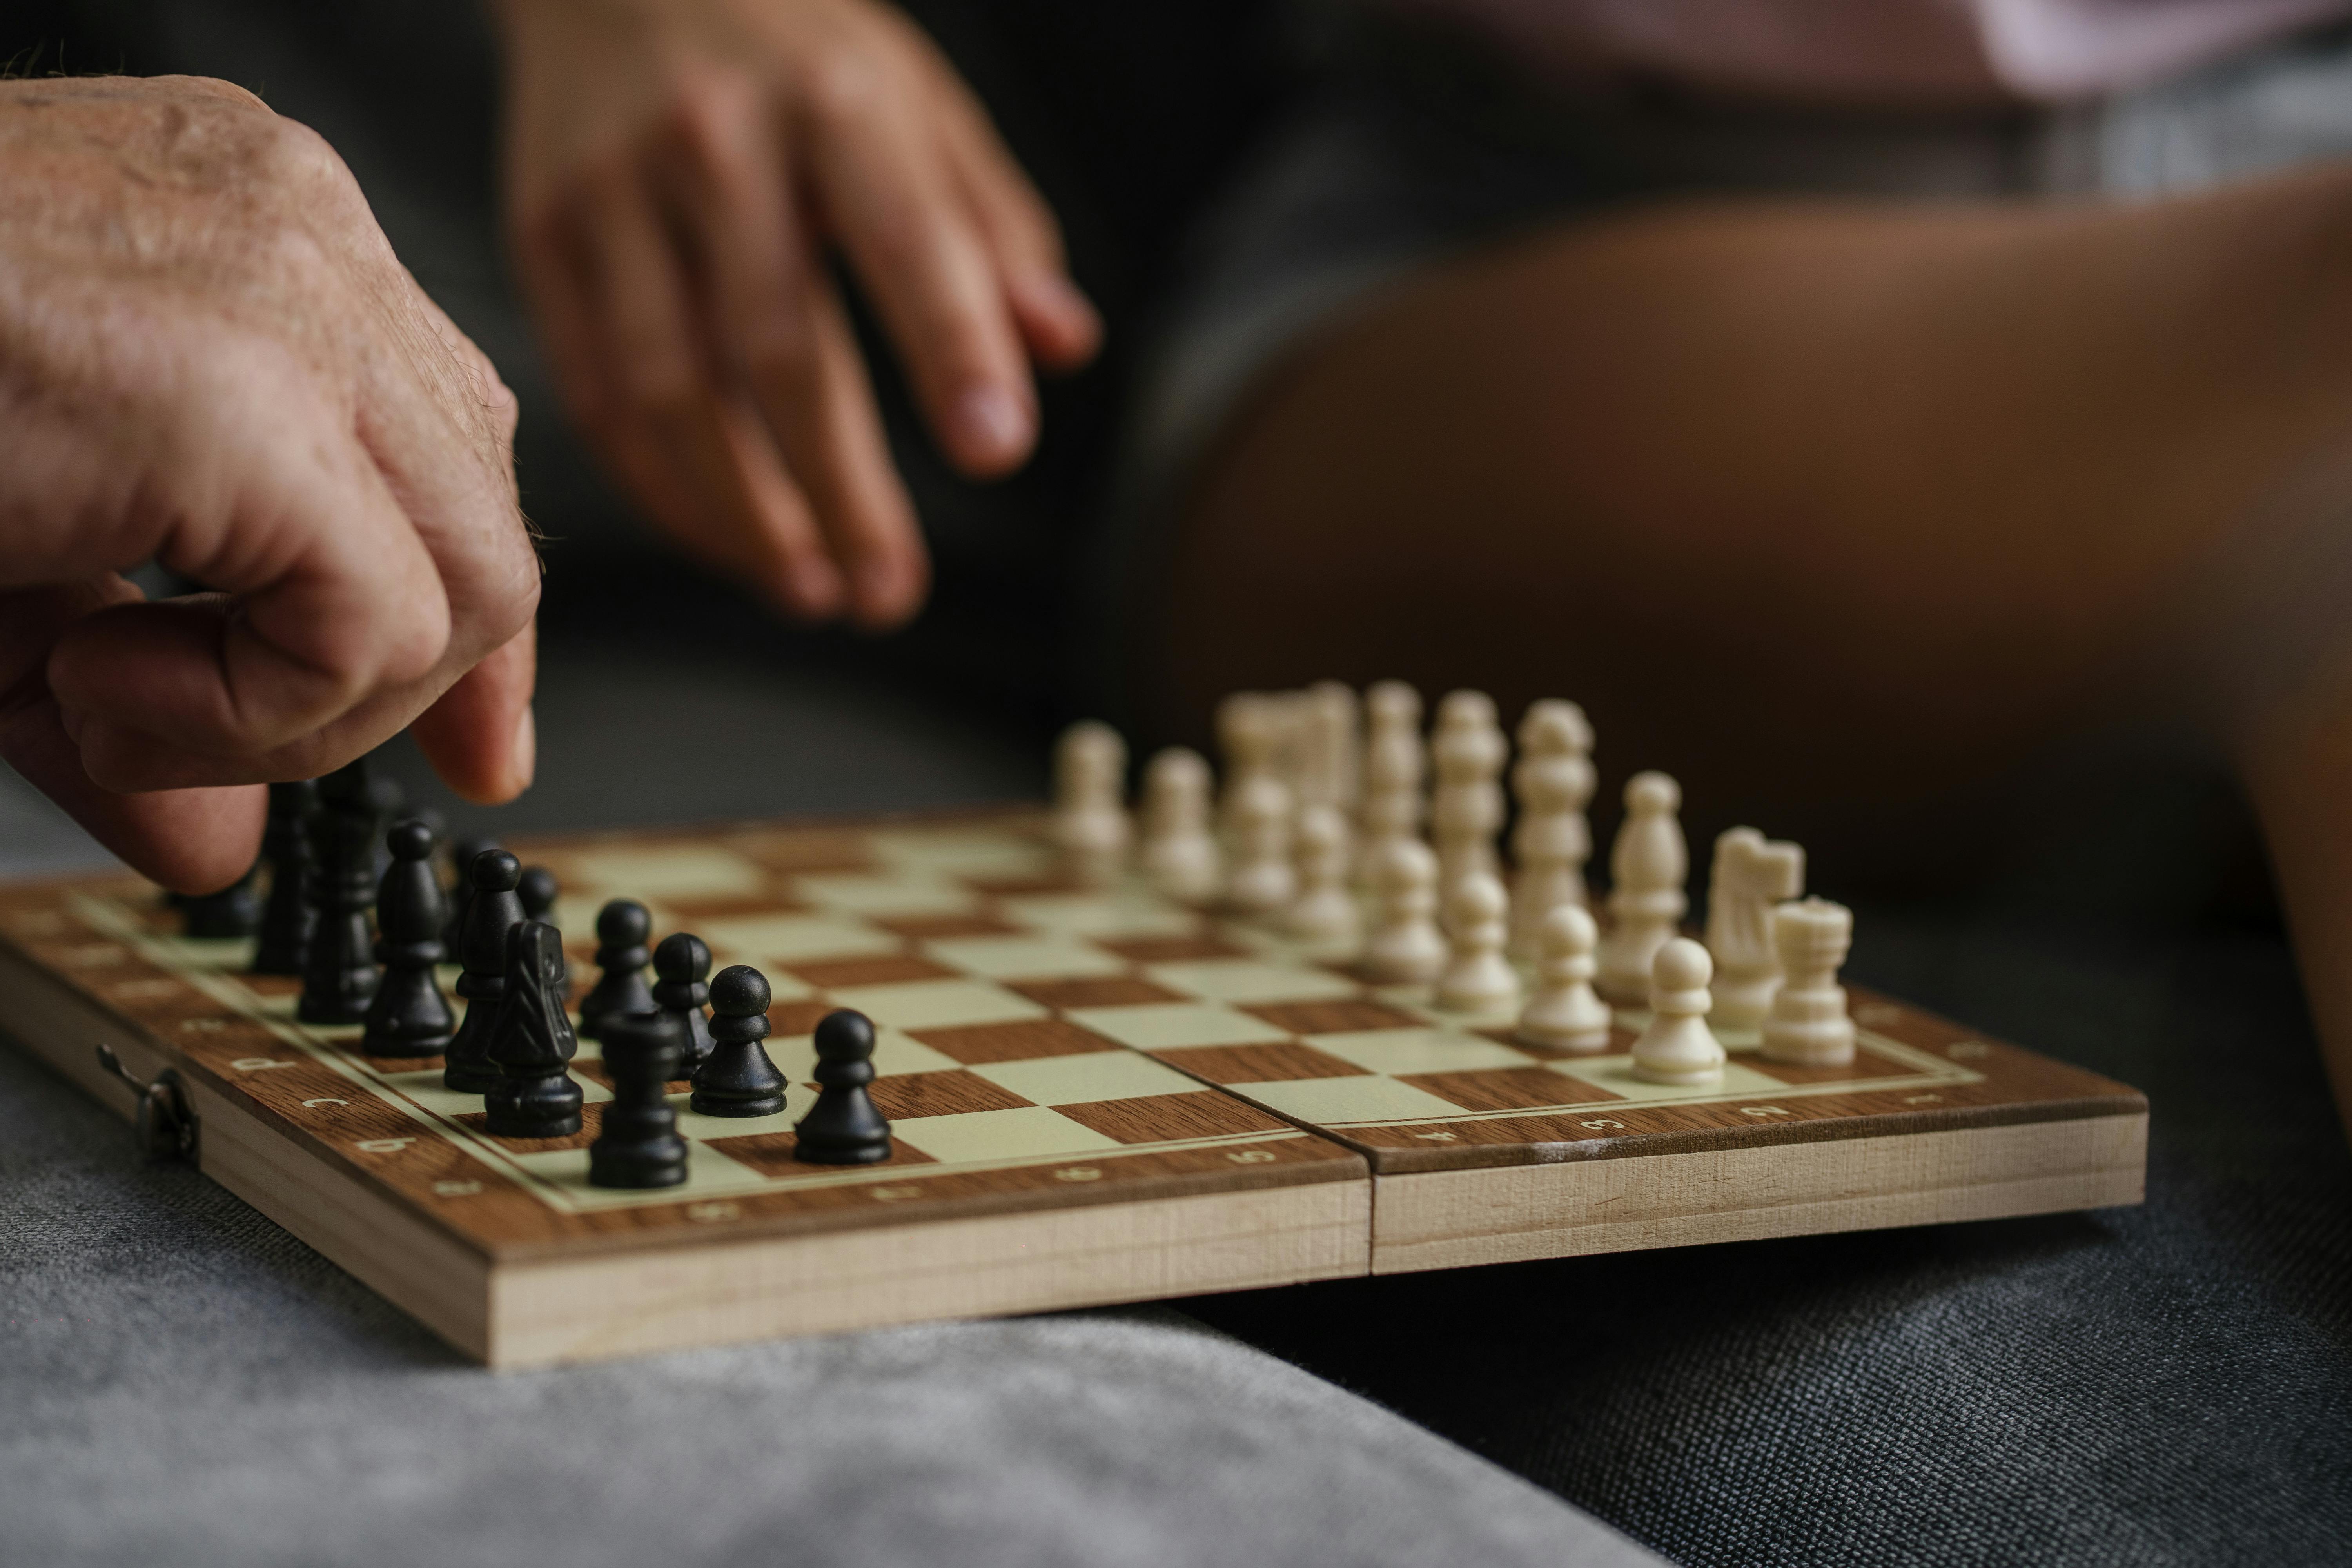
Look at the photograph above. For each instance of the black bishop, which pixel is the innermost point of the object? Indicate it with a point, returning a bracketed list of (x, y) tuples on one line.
[(339, 977), (409, 1016), (622, 928), (288, 918), (683, 963)]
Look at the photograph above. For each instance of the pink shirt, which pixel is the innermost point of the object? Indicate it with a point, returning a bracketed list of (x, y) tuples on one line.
[(1885, 51)]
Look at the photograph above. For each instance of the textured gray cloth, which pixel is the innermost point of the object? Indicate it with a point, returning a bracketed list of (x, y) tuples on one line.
[(181, 1381)]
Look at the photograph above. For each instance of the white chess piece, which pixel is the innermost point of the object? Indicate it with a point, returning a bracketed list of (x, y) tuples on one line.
[(1564, 1013), (1263, 881), (1325, 910), (1406, 948), (1478, 978), (1808, 1021), (1396, 762), (1751, 873), (1646, 866), (1090, 824), (1247, 737), (1553, 782), (1180, 853), (1467, 812), (1678, 1048), (1330, 763)]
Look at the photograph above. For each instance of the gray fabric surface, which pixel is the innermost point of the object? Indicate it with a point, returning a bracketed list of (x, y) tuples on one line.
[(183, 1382)]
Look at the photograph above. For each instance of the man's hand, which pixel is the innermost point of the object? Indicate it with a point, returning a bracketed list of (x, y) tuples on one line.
[(677, 171), (210, 357)]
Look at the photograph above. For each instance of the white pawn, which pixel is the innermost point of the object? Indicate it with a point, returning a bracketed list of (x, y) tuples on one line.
[(1263, 881), (1646, 866), (1329, 761), (1246, 738), (1808, 1021), (1396, 762), (1180, 853), (1405, 947), (1090, 822), (1678, 1048), (1751, 873), (1564, 1013), (1477, 977), (1326, 911), (1553, 782), (1467, 812)]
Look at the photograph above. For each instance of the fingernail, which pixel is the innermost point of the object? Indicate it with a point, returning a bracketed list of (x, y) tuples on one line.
[(525, 755), (992, 420)]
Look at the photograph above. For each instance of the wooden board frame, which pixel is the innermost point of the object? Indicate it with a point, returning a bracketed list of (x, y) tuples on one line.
[(1246, 1187)]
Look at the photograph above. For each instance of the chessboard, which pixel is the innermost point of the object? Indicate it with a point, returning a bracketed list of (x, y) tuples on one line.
[(1097, 1095)]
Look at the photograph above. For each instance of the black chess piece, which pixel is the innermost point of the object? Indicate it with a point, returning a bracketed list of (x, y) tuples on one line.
[(622, 928), (288, 918), (682, 964), (409, 1016), (234, 912), (493, 911), (843, 1128), (638, 1145), (537, 890), (737, 1078), (462, 859), (339, 978), (387, 804), (532, 1044)]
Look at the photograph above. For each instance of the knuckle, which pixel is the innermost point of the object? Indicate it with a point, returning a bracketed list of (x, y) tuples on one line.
[(847, 85)]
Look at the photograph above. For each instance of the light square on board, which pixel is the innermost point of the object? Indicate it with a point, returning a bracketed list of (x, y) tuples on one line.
[(938, 1003), (770, 941), (1400, 1051), (1103, 1074), (1031, 1133), (858, 893), (1168, 1025), (1335, 1101), (1100, 914), (657, 871), (1049, 957), (1240, 980)]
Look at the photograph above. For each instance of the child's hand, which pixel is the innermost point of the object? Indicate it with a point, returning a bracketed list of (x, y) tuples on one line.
[(210, 357), (678, 171)]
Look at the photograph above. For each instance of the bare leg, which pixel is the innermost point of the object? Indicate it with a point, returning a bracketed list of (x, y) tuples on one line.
[(1911, 489)]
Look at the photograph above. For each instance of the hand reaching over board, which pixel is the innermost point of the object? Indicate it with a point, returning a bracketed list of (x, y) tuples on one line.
[(209, 357), (678, 171)]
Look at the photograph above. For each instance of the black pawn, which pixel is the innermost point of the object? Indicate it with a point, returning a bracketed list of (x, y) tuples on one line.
[(737, 1078), (682, 964), (387, 804), (287, 919), (537, 890), (234, 912), (339, 977), (469, 851), (491, 912), (638, 1145), (622, 928), (532, 1045), (409, 1016), (843, 1128)]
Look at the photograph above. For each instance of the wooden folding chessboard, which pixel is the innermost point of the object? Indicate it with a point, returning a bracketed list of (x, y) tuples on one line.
[(1097, 1095)]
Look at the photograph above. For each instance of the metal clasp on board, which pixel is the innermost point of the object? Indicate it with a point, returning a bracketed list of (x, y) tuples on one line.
[(163, 1126)]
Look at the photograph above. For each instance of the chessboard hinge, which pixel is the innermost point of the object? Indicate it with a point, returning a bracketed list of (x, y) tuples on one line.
[(164, 1124)]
